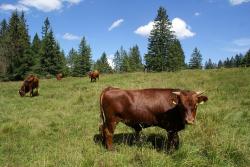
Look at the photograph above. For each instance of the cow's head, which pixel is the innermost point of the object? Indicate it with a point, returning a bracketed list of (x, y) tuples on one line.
[(189, 101), (22, 91)]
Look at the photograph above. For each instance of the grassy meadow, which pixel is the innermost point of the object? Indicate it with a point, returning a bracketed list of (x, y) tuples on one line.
[(61, 126)]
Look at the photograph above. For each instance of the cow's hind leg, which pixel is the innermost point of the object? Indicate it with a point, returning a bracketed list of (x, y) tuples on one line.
[(173, 141), (108, 131), (137, 127), (31, 92)]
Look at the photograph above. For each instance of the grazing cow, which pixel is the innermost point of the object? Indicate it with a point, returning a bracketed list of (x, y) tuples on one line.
[(59, 76), (93, 75), (170, 109), (29, 84)]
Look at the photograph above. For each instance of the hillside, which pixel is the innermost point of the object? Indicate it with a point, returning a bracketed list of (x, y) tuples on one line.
[(59, 127)]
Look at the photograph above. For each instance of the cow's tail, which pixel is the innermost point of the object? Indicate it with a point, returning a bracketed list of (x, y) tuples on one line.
[(102, 114)]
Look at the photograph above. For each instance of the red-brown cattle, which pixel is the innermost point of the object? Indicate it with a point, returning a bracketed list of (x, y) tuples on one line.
[(170, 109), (59, 76), (93, 75), (29, 84)]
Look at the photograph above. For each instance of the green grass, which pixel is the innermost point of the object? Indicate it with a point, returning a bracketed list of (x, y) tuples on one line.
[(58, 127)]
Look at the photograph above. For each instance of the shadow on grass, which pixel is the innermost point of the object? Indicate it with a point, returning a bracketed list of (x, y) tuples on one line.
[(157, 141)]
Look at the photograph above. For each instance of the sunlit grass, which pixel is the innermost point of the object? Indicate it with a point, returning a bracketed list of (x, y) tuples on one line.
[(58, 127)]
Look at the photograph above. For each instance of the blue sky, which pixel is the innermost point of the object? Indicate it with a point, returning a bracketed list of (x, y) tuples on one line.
[(219, 28)]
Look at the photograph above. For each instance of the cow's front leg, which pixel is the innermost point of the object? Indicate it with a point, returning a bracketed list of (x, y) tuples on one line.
[(173, 141), (31, 92)]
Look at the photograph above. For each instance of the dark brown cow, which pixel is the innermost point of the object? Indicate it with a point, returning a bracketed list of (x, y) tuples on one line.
[(170, 109), (29, 84), (59, 76), (93, 75)]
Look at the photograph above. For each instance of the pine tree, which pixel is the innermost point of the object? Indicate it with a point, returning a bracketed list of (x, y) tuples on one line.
[(238, 60), (117, 61), (51, 59), (125, 63), (20, 53), (82, 63), (246, 59), (102, 64), (36, 46), (160, 40), (195, 60), (135, 59), (209, 64), (71, 59), (3, 48), (176, 58), (220, 64), (227, 63)]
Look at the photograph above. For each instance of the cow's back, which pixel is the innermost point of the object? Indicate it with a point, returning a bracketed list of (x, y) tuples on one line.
[(137, 105)]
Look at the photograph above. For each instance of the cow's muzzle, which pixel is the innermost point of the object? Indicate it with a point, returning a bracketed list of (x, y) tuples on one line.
[(190, 121)]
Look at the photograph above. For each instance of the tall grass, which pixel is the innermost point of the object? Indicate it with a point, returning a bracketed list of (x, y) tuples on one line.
[(60, 127)]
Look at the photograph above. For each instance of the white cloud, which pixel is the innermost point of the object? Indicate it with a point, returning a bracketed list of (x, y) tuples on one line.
[(197, 14), (238, 2), (242, 42), (181, 29), (71, 37), (145, 30), (42, 5), (179, 26), (10, 7), (115, 24)]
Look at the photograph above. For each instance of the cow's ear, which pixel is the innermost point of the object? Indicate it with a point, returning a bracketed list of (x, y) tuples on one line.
[(177, 93), (202, 99)]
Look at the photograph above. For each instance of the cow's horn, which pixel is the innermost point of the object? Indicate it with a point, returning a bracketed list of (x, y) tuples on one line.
[(199, 93), (177, 93)]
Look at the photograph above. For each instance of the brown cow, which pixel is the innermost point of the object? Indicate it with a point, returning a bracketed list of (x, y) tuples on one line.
[(93, 75), (59, 76), (170, 109), (29, 84)]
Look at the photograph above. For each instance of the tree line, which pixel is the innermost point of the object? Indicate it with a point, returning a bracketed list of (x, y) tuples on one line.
[(239, 60), (20, 56)]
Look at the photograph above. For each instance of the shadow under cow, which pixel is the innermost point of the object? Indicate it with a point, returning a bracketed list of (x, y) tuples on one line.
[(158, 141)]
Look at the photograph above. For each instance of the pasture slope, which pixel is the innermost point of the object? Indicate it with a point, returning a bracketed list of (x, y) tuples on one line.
[(60, 127)]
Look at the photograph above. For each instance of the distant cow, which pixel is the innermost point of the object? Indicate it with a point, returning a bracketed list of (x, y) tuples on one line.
[(170, 109), (59, 76), (93, 75), (29, 84)]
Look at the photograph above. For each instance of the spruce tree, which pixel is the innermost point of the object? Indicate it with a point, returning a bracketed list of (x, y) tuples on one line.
[(51, 60), (36, 46), (82, 63), (102, 64), (238, 60), (125, 63), (176, 58), (209, 64), (135, 59), (20, 53), (220, 64), (3, 48), (195, 60), (246, 59), (160, 40), (117, 61), (227, 63), (72, 55)]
